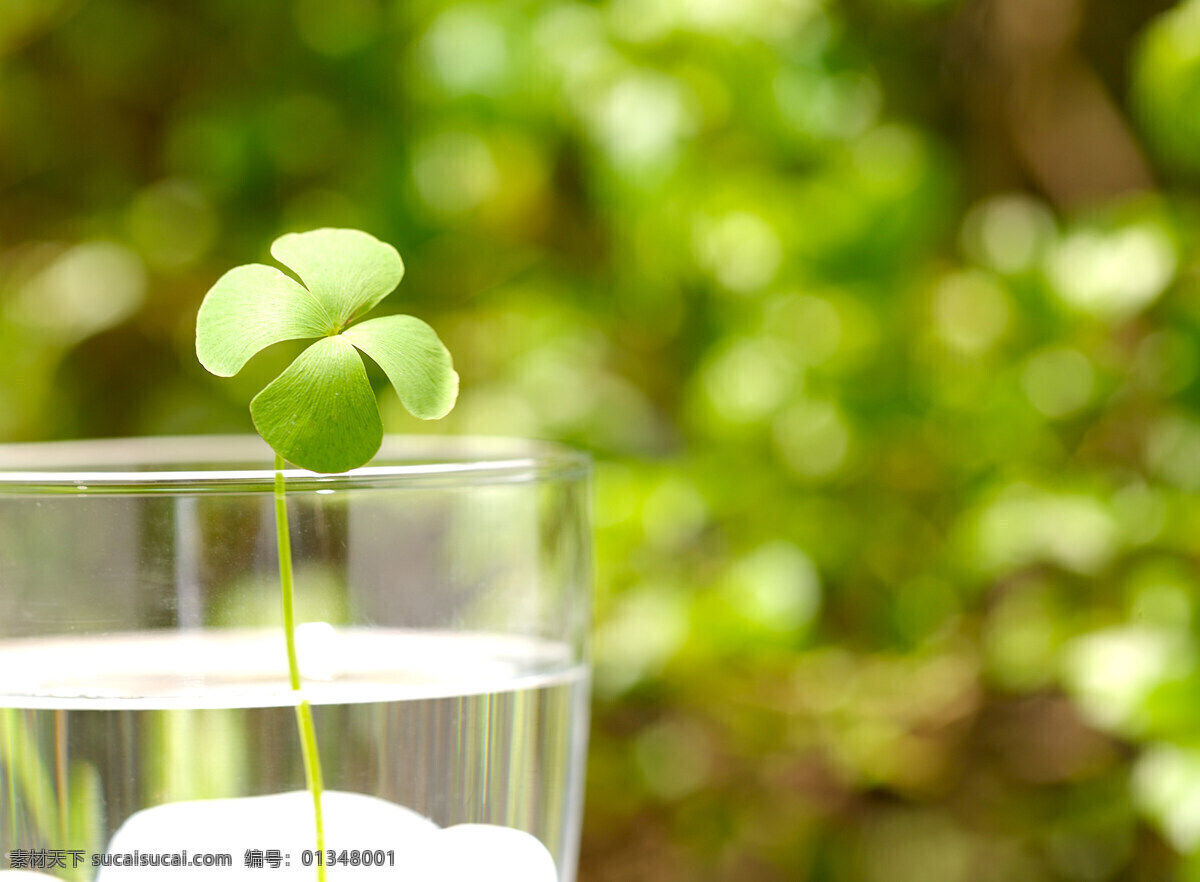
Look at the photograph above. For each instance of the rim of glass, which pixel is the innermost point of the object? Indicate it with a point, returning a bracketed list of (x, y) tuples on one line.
[(245, 463)]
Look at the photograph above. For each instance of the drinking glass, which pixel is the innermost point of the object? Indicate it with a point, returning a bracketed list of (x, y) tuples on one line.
[(442, 608)]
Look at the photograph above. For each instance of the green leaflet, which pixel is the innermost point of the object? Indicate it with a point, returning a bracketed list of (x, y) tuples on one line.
[(248, 309), (321, 413), (414, 359), (349, 271)]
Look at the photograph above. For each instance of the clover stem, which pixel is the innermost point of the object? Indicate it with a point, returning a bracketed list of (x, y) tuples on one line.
[(304, 719)]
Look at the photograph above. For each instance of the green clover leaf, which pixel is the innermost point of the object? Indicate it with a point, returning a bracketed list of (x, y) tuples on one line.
[(321, 413)]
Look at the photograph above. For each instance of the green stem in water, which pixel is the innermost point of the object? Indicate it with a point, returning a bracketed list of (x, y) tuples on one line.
[(304, 720)]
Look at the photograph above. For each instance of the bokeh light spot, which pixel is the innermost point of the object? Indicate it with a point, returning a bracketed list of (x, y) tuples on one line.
[(647, 626), (466, 50), (775, 587), (643, 21), (811, 325), (970, 311), (1166, 785), (572, 37), (748, 380), (1111, 672), (454, 171), (1142, 512), (1021, 640), (172, 223), (914, 844), (1172, 450), (1058, 382), (640, 119), (812, 439), (673, 757), (826, 105), (1026, 524), (1008, 233), (86, 289), (890, 159), (1112, 275), (741, 250)]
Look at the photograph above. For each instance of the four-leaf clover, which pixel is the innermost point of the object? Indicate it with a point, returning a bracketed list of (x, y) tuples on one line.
[(321, 413)]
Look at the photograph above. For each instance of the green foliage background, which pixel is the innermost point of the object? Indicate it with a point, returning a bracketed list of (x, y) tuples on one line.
[(882, 318)]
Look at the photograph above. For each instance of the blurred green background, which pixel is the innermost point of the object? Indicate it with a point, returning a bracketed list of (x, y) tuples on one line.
[(881, 317)]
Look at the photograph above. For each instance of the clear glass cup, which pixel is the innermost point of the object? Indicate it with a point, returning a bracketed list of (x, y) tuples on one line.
[(442, 607)]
